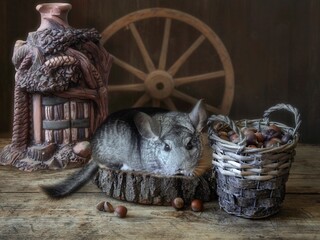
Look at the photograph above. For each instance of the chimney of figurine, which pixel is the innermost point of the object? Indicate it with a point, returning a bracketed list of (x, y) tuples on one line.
[(54, 11)]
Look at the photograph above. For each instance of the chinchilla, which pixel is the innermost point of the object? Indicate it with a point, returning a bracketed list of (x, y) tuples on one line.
[(142, 139)]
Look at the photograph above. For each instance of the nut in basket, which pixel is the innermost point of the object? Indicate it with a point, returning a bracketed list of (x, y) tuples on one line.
[(252, 160)]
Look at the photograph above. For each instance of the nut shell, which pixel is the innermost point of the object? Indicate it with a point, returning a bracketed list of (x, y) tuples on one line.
[(108, 207), (273, 142), (197, 205), (121, 211), (275, 128), (251, 138), (246, 130), (178, 203), (286, 138), (259, 137), (234, 138), (100, 206)]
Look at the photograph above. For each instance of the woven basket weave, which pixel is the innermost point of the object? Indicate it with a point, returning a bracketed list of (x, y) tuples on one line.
[(251, 181)]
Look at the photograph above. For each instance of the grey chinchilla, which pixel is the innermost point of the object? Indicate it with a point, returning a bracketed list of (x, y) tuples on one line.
[(144, 139)]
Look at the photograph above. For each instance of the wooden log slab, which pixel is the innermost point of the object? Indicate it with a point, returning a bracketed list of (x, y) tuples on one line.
[(152, 189)]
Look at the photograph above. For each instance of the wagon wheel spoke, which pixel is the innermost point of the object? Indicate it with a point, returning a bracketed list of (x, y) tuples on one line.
[(142, 100), (170, 104), (127, 87), (192, 100), (175, 67), (136, 72), (200, 77), (184, 97), (165, 42), (213, 109), (159, 72), (145, 55)]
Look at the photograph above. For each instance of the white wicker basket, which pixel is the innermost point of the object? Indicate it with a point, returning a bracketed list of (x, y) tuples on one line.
[(251, 181)]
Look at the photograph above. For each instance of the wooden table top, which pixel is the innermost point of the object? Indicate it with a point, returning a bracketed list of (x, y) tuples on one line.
[(26, 213)]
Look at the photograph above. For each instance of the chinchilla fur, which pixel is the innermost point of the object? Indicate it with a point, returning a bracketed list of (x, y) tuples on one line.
[(142, 139)]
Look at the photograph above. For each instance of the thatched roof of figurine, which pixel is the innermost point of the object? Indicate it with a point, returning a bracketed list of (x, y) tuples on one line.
[(55, 58), (59, 38)]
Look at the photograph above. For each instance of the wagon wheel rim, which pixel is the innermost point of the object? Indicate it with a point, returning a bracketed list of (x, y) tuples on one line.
[(159, 84)]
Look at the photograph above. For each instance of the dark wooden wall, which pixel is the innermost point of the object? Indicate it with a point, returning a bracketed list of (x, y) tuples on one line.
[(274, 46)]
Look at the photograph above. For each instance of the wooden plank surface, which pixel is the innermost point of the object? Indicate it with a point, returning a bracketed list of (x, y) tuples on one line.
[(26, 213)]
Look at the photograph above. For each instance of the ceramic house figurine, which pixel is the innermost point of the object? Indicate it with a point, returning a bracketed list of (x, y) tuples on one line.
[(60, 94)]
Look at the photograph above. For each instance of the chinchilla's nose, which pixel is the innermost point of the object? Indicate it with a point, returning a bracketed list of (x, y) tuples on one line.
[(179, 172)]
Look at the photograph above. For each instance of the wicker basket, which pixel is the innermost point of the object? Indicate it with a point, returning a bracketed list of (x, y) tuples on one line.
[(251, 181)]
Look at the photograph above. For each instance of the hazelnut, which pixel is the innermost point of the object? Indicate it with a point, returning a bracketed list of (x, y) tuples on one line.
[(246, 130), (251, 138), (197, 205), (231, 132), (218, 126), (273, 142), (121, 211), (252, 146), (178, 203), (234, 138), (83, 149), (259, 137), (271, 132), (223, 135), (275, 128), (107, 207), (286, 138), (224, 138), (100, 206)]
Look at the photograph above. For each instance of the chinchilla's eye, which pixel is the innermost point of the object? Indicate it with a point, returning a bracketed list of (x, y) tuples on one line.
[(189, 145), (167, 148)]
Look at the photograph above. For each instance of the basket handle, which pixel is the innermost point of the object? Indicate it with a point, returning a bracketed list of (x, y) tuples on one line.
[(289, 108)]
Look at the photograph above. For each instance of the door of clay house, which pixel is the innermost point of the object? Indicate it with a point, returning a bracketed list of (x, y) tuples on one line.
[(60, 120)]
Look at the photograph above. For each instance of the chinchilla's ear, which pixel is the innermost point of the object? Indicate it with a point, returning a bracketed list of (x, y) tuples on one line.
[(147, 127), (198, 115)]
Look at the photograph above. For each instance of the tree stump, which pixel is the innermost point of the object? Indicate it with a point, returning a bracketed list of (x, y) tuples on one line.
[(152, 189)]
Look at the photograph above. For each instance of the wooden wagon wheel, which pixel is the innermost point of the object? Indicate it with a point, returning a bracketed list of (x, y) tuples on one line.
[(159, 83)]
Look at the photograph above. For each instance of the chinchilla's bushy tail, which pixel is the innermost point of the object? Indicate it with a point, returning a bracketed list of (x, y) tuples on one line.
[(72, 183)]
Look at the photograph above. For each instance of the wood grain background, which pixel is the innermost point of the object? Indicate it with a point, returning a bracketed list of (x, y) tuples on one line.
[(274, 47)]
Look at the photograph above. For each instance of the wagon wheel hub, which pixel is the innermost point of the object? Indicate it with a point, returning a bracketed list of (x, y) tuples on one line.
[(159, 84)]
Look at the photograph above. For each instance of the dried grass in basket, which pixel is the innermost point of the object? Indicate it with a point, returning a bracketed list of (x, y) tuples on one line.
[(251, 181)]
